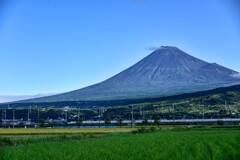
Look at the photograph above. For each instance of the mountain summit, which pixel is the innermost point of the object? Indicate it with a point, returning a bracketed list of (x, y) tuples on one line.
[(167, 70)]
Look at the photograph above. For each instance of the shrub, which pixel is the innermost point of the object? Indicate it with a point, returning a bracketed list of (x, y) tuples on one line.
[(144, 130), (153, 129), (220, 122)]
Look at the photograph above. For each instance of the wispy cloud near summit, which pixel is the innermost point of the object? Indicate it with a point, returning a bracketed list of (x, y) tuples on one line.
[(153, 48)]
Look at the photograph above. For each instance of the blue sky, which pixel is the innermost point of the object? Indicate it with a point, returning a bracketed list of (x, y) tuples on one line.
[(51, 46)]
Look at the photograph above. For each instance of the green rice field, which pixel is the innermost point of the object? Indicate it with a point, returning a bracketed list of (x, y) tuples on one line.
[(192, 144)]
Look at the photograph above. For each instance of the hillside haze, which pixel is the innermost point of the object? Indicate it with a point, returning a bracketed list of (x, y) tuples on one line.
[(166, 71)]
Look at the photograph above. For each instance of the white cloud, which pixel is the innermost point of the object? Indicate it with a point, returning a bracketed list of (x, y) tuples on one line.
[(236, 75), (154, 48)]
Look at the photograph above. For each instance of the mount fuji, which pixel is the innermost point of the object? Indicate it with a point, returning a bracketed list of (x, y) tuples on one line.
[(166, 71)]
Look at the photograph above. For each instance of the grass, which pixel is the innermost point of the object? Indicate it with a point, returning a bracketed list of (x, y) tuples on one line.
[(39, 131), (165, 144)]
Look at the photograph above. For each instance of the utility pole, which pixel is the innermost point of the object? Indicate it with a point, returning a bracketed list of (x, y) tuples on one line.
[(162, 109), (132, 118), (225, 105), (140, 110), (173, 112), (13, 117), (99, 125), (66, 116), (151, 120), (28, 115), (143, 113), (38, 115), (203, 114), (231, 110), (5, 118), (2, 118), (78, 114)]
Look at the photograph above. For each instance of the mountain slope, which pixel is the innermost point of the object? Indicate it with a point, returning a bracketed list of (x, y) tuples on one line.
[(218, 68), (165, 71)]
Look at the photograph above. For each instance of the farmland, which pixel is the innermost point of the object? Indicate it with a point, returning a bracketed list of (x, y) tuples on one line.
[(165, 143), (38, 131)]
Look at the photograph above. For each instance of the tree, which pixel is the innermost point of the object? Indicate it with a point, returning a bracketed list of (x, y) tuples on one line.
[(53, 123), (80, 122), (145, 122), (108, 121), (42, 121), (120, 121), (157, 120)]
